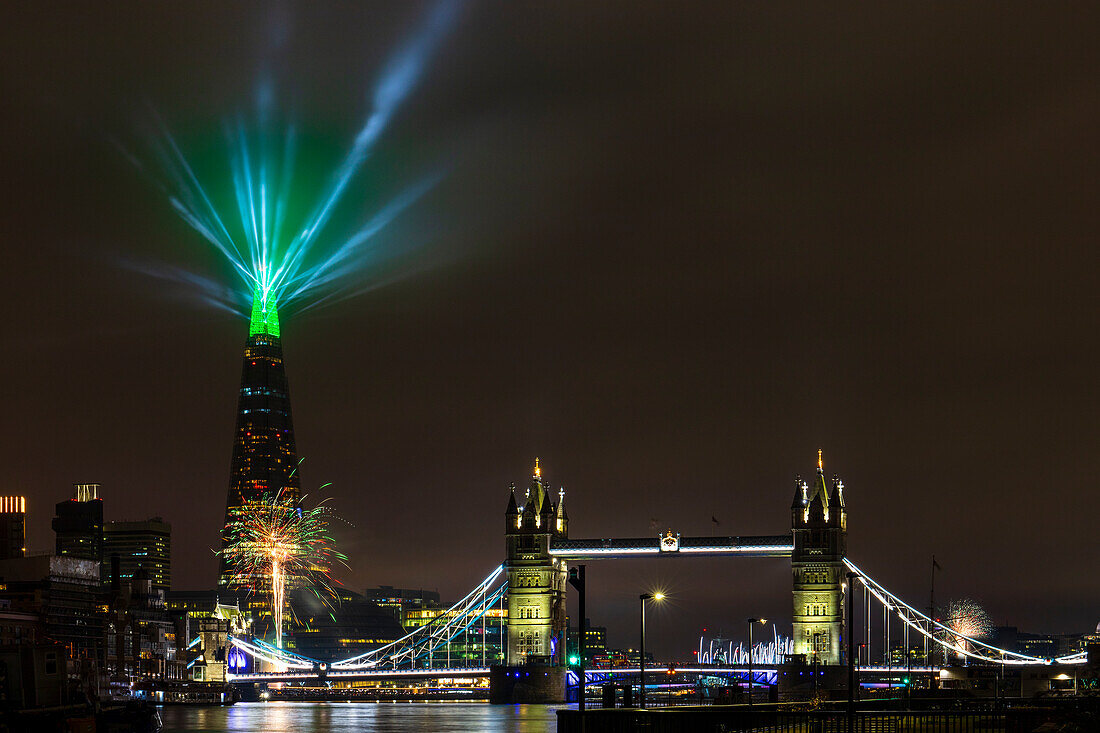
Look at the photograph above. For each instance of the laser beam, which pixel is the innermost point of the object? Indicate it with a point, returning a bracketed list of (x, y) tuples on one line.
[(281, 249)]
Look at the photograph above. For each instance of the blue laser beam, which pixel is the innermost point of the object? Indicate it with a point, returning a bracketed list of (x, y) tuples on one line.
[(280, 250)]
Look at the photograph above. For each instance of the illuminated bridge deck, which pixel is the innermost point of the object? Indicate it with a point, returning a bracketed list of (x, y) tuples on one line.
[(362, 674), (594, 549)]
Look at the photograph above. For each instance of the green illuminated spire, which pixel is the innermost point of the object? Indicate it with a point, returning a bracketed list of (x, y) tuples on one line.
[(265, 315)]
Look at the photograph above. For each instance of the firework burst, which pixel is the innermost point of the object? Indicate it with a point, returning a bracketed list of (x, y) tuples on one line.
[(967, 618), (277, 544)]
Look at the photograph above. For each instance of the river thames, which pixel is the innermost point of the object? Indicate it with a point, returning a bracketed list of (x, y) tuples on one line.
[(314, 717)]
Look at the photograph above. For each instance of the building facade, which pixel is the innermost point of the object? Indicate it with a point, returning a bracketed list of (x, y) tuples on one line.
[(64, 592), (145, 545), (142, 640), (819, 525), (265, 460), (78, 525), (13, 527), (406, 604), (340, 626), (595, 643), (536, 580)]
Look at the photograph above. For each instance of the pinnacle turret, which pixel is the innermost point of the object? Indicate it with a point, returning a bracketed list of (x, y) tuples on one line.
[(815, 502), (800, 499), (836, 498), (819, 507), (547, 508)]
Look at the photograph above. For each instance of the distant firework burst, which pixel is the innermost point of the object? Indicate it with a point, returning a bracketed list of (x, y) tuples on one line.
[(277, 543), (966, 617)]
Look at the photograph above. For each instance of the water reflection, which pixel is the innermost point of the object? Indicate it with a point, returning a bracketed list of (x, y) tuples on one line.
[(314, 717)]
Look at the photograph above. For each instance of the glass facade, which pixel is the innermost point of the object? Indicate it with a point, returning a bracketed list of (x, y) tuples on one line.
[(13, 526), (265, 459), (78, 525), (140, 545)]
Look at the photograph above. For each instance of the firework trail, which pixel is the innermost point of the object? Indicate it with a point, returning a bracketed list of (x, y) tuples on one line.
[(279, 544)]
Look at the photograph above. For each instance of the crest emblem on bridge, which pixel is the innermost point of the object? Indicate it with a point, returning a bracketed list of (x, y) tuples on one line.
[(670, 542)]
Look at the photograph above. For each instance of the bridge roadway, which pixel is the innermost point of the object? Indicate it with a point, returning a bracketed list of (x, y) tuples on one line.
[(361, 674), (761, 673), (444, 672), (672, 545), (766, 672)]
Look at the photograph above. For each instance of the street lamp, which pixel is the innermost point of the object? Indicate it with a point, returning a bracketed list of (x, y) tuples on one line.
[(752, 621), (576, 579), (658, 596)]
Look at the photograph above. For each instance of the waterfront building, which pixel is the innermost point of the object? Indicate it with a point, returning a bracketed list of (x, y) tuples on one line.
[(142, 640), (78, 525), (621, 658), (595, 643), (13, 527), (405, 602), (343, 625), (140, 546), (1043, 646), (18, 627), (144, 545), (36, 675), (64, 592)]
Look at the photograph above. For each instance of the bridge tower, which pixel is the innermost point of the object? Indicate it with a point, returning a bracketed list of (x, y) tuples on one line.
[(536, 581), (819, 523)]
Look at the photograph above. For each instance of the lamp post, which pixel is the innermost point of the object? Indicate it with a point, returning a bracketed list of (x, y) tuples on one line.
[(859, 663), (641, 653), (752, 621), (852, 674), (576, 579)]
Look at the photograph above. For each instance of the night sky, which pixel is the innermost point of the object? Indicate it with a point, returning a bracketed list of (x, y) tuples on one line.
[(677, 248)]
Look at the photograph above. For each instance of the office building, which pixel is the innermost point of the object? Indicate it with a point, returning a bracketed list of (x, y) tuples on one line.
[(13, 527), (144, 545), (78, 525)]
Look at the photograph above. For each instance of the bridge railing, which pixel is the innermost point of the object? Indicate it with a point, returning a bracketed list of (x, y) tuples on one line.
[(423, 643), (418, 648)]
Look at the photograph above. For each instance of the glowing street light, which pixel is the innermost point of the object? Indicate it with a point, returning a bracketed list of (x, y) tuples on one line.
[(656, 596), (751, 622)]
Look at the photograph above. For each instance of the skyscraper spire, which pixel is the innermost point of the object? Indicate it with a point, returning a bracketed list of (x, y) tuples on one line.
[(265, 314), (265, 458)]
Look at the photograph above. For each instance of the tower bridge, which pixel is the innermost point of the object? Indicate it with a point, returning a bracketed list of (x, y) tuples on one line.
[(532, 582), (538, 549)]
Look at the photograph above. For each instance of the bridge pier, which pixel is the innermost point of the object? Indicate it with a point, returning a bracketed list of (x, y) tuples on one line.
[(526, 683)]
